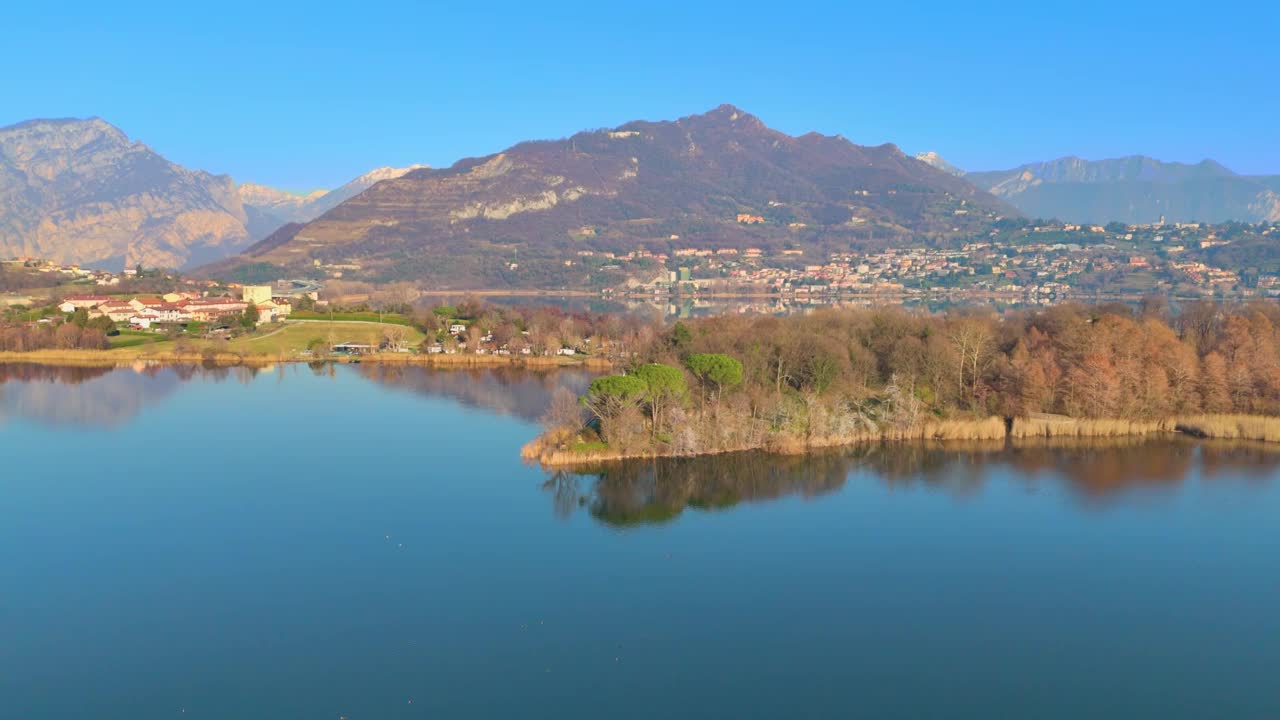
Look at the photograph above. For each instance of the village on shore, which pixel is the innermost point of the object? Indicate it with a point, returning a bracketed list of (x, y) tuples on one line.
[(161, 315), (180, 307), (1034, 262), (1019, 263)]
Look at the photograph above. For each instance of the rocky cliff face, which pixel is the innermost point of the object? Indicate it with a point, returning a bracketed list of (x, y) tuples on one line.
[(720, 179), (269, 209), (79, 191), (1133, 189), (936, 160)]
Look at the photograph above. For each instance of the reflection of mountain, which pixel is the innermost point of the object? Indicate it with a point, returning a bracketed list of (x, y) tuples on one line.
[(505, 390), (658, 491), (91, 397)]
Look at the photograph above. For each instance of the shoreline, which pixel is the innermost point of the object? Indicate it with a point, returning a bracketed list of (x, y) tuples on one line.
[(111, 358), (498, 292), (548, 449)]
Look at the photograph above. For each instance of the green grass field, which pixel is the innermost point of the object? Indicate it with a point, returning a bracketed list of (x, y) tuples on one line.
[(131, 338), (285, 339), (311, 315), (293, 337)]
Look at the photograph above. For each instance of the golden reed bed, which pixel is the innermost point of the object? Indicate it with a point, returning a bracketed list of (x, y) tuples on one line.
[(550, 448)]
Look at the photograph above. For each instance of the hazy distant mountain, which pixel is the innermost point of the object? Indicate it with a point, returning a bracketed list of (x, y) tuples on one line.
[(80, 191), (269, 209), (937, 161), (1133, 189), (510, 219)]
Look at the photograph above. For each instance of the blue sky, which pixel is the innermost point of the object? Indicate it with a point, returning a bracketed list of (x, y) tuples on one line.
[(301, 95)]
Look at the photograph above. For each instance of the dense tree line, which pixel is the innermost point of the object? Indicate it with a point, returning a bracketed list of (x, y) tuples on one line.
[(46, 336), (76, 331), (20, 278), (743, 381)]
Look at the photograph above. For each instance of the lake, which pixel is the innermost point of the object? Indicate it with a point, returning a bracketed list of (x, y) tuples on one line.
[(364, 542)]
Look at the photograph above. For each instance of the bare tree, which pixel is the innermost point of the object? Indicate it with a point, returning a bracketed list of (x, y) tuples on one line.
[(396, 336), (564, 410), (972, 340)]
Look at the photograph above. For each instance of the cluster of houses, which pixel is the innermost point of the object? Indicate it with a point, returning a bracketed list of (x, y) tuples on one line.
[(484, 346), (1046, 261), (144, 313), (45, 266), (101, 278), (1202, 274), (892, 271)]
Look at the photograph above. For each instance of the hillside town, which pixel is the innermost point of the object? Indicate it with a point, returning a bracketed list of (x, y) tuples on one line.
[(1022, 262), (1038, 263)]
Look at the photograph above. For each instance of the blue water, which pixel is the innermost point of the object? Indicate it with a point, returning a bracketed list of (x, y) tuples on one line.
[(347, 542)]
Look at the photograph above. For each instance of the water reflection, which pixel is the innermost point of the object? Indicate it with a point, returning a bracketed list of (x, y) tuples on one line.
[(105, 398), (524, 393), (1095, 472), (75, 396), (110, 398), (656, 491)]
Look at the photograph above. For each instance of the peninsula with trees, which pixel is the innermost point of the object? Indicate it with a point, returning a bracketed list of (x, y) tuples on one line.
[(846, 376)]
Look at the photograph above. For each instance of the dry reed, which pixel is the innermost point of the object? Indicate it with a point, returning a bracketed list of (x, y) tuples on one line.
[(1052, 426), (1231, 427), (990, 428), (989, 433)]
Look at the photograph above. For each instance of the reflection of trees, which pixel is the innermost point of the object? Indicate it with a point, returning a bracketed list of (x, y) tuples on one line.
[(322, 369), (1096, 469), (1250, 461), (658, 491), (107, 397), (97, 397), (48, 373), (1105, 467), (1102, 469), (564, 491), (958, 467), (525, 393)]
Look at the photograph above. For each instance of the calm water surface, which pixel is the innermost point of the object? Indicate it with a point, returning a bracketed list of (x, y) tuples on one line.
[(364, 543)]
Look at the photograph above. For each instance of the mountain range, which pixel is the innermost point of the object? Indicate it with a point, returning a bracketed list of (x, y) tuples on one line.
[(269, 209), (1135, 189), (80, 191), (719, 179)]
